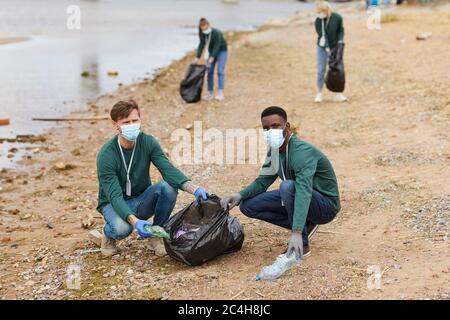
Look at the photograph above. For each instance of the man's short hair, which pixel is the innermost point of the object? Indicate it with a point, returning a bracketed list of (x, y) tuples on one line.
[(274, 110), (122, 109)]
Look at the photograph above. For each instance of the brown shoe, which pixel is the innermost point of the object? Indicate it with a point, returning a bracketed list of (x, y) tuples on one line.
[(96, 237), (108, 247), (157, 246), (306, 251), (311, 229)]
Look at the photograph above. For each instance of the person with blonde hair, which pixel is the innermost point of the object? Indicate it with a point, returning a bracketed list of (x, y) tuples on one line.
[(330, 31), (213, 41)]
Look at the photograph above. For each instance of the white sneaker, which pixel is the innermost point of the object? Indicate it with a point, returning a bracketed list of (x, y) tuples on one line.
[(318, 98), (339, 97), (208, 97), (220, 96), (156, 245)]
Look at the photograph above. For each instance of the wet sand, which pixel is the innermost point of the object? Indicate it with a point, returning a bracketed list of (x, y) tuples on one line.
[(13, 40), (389, 145)]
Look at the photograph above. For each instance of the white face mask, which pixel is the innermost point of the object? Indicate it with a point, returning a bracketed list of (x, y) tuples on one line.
[(207, 31), (274, 137), (321, 15)]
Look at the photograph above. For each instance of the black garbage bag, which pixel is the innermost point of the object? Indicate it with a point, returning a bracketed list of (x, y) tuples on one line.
[(335, 78), (203, 231), (192, 85)]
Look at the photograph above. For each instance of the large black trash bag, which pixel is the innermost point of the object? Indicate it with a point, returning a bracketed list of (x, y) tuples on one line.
[(335, 78), (203, 231), (192, 85)]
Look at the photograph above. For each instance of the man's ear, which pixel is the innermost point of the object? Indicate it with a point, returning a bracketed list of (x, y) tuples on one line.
[(288, 125), (115, 125)]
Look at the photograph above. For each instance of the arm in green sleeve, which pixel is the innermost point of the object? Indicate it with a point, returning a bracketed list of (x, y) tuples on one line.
[(201, 45), (260, 185), (217, 41), (317, 25), (170, 174), (341, 30), (304, 170), (110, 186)]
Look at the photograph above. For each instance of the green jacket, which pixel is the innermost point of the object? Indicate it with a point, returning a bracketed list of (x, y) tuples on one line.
[(310, 169), (334, 29), (112, 175), (216, 45)]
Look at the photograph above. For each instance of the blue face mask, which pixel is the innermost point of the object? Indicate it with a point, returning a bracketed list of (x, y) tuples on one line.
[(131, 131), (274, 137)]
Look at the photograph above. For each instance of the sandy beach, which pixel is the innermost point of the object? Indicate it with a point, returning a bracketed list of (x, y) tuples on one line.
[(389, 144)]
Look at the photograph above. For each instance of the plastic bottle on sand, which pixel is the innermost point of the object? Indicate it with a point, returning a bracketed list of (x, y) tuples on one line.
[(282, 264)]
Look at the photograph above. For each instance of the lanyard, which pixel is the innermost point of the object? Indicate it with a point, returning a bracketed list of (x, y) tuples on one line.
[(287, 159), (287, 163), (127, 169), (324, 27)]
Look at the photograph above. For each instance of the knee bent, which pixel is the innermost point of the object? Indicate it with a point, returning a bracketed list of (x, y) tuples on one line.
[(168, 191), (287, 186), (120, 230), (245, 209)]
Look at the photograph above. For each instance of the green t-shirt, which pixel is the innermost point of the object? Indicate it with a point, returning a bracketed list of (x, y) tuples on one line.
[(112, 175), (310, 169)]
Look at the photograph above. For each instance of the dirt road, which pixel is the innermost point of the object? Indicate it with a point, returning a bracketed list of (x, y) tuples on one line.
[(389, 144)]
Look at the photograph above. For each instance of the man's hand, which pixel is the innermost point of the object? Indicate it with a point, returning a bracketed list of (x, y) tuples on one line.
[(295, 245), (200, 192), (211, 60), (231, 201), (140, 227)]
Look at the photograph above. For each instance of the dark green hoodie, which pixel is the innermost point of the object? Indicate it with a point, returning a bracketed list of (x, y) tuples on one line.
[(334, 29), (216, 45), (112, 174), (310, 169)]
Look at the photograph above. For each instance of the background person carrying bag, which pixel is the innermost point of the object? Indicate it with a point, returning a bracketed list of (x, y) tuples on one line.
[(203, 231), (191, 86), (329, 28)]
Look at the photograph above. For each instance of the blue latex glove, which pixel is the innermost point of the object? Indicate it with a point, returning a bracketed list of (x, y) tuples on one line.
[(201, 192), (140, 224)]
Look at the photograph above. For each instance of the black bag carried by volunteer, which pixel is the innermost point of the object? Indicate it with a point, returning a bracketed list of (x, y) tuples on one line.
[(335, 78), (192, 84), (203, 231)]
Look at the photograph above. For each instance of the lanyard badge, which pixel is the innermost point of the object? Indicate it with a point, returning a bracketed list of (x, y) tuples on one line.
[(127, 169)]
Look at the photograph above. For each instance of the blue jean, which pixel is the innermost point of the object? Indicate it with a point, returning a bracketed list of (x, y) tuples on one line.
[(268, 206), (158, 200), (220, 61), (322, 59)]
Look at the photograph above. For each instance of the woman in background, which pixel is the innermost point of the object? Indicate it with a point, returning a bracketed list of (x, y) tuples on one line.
[(330, 31), (218, 54)]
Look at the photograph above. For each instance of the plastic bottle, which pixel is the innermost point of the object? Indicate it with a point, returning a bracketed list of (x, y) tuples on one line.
[(280, 266), (157, 231)]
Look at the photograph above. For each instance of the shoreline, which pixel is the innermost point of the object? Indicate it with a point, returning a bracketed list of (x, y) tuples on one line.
[(388, 145), (11, 40), (89, 107)]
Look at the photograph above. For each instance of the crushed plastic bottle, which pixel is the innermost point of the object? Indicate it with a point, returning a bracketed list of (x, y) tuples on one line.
[(157, 231), (282, 264)]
